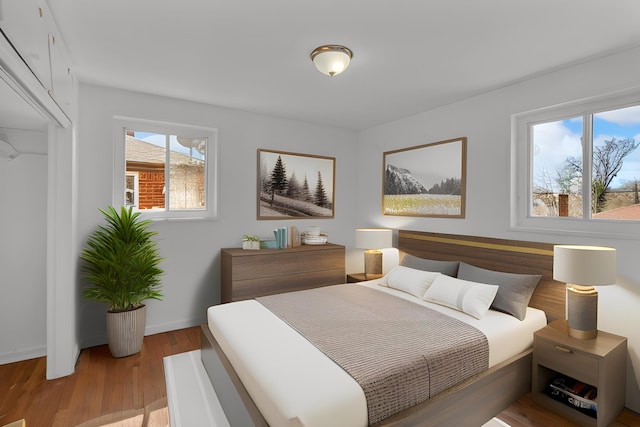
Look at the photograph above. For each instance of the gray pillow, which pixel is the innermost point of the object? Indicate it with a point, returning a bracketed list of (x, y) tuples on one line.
[(450, 268), (514, 290)]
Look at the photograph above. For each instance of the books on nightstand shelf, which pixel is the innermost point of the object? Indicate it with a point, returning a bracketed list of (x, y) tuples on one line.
[(574, 393)]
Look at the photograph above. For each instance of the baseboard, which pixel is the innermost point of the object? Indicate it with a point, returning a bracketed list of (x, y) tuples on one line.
[(174, 326), (23, 354), (101, 339)]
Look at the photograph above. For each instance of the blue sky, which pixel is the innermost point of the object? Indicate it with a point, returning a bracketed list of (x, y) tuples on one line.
[(159, 140), (556, 141)]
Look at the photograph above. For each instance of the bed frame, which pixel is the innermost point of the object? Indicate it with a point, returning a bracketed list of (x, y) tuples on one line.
[(474, 401)]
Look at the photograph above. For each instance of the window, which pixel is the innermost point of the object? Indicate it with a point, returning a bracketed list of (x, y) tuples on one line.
[(165, 170), (577, 167), (131, 189)]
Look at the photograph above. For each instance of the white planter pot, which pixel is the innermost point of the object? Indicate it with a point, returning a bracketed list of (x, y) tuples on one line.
[(125, 331), (253, 245)]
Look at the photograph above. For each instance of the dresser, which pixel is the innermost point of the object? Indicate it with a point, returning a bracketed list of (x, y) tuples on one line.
[(247, 274)]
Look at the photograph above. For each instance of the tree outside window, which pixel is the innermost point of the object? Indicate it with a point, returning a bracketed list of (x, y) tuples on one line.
[(587, 166)]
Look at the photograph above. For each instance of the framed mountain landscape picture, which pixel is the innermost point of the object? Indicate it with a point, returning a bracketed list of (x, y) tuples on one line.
[(295, 186), (426, 180)]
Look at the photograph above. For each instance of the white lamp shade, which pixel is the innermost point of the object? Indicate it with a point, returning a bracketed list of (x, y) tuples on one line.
[(373, 238), (584, 265), (331, 59)]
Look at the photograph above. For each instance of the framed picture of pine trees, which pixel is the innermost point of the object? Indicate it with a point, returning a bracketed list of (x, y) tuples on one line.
[(426, 180), (295, 186)]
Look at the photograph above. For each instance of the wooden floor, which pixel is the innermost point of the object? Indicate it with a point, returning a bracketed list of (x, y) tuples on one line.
[(101, 384), (104, 385)]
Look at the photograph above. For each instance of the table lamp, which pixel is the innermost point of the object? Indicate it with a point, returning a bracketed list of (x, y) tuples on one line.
[(372, 240), (582, 268)]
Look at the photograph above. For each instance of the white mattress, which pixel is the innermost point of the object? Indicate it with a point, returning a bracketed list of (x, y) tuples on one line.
[(294, 384)]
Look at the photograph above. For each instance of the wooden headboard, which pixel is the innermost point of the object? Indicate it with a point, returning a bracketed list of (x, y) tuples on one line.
[(511, 256)]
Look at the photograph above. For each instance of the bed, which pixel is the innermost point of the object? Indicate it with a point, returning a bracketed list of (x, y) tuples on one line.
[(250, 336)]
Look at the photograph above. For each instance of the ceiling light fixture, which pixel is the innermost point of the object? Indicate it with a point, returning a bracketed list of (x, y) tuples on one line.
[(331, 59)]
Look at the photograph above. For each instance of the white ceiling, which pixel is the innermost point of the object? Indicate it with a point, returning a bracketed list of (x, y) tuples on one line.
[(409, 56)]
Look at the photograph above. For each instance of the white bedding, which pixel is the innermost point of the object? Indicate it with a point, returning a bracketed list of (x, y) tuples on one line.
[(293, 384)]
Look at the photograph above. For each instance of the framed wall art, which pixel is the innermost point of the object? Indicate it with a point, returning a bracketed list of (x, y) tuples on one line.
[(295, 186), (426, 180)]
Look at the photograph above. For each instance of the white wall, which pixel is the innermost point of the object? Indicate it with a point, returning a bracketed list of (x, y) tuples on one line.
[(192, 268), (23, 243), (485, 121)]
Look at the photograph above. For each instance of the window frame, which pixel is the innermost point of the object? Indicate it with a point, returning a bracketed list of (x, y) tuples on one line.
[(136, 186), (120, 124), (521, 168)]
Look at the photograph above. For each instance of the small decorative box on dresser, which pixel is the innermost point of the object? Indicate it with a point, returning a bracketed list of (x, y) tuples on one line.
[(250, 274), (568, 372)]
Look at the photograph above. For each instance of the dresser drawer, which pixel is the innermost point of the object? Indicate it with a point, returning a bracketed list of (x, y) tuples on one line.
[(567, 360), (321, 260), (265, 264), (249, 274)]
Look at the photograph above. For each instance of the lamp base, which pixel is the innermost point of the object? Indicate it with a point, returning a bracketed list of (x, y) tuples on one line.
[(372, 264), (582, 312)]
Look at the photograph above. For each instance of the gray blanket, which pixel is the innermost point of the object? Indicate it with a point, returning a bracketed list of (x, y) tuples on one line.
[(399, 352)]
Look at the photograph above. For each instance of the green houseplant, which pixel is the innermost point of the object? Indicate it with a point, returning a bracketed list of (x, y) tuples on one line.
[(121, 269)]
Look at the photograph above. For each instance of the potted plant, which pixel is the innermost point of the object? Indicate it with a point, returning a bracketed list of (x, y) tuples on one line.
[(121, 270)]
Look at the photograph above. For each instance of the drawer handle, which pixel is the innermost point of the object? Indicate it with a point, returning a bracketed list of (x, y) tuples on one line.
[(564, 349)]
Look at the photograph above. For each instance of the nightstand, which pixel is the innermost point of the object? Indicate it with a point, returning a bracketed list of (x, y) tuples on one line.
[(361, 277), (600, 362)]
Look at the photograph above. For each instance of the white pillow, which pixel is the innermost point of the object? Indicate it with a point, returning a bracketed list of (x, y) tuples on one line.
[(410, 280), (469, 297)]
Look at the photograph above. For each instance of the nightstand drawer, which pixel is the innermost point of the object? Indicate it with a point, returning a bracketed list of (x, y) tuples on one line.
[(566, 360)]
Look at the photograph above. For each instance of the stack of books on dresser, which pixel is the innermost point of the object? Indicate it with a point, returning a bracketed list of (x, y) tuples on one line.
[(574, 393)]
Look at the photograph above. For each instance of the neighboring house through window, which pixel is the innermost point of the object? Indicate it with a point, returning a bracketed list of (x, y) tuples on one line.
[(131, 189), (165, 170)]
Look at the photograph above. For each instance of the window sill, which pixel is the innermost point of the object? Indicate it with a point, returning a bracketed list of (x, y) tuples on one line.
[(579, 227)]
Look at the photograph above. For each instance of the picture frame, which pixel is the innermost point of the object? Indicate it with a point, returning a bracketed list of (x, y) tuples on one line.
[(426, 180), (295, 186)]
